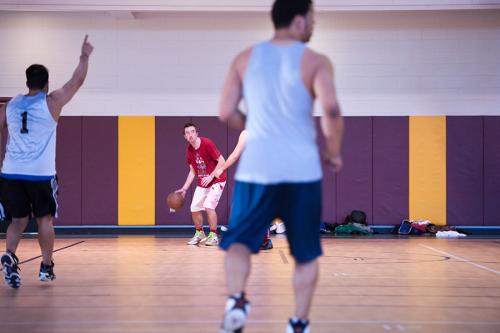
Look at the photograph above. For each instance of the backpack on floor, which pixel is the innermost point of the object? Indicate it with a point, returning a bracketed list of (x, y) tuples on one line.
[(356, 216), (405, 228)]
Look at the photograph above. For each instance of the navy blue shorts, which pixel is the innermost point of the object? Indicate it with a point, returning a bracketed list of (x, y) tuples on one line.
[(255, 206)]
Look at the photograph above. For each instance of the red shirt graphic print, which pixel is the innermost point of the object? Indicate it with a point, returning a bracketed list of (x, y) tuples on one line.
[(204, 160)]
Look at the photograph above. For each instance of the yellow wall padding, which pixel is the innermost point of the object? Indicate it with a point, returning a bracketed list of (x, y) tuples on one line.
[(428, 168), (136, 170)]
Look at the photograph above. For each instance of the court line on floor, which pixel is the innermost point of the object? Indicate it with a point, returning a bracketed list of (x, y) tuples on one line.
[(257, 322), (467, 261), (316, 294), (283, 257), (60, 249), (274, 306)]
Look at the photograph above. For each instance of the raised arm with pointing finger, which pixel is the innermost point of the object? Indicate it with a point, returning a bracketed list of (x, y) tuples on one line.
[(60, 97)]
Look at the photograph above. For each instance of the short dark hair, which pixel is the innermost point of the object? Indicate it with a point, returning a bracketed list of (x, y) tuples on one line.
[(284, 11), (189, 125), (37, 76)]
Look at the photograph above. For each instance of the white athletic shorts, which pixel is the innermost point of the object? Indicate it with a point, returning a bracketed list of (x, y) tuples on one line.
[(207, 197)]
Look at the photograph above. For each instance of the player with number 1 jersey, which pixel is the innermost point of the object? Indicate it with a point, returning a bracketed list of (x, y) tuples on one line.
[(28, 185)]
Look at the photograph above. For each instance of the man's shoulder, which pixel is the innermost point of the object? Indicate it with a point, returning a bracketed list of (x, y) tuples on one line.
[(13, 100), (245, 54), (315, 58), (240, 62), (206, 141)]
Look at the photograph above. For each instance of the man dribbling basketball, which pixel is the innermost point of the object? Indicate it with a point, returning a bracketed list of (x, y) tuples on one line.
[(203, 159)]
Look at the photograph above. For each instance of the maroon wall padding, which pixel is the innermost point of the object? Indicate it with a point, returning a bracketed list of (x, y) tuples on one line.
[(464, 170), (329, 201), (171, 169), (69, 170), (374, 178), (354, 182), (100, 170), (216, 131), (390, 170), (492, 170), (232, 140)]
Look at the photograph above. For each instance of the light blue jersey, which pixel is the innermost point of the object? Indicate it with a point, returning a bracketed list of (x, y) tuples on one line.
[(281, 142), (31, 144)]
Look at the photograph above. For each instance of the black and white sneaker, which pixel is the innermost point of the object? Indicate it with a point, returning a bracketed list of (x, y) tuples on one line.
[(235, 317), (46, 272), (10, 270), (297, 326), (266, 244)]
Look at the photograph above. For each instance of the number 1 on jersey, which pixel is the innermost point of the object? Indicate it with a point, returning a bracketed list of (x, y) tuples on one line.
[(24, 129)]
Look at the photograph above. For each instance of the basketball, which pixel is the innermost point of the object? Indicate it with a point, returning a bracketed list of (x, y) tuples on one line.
[(175, 200)]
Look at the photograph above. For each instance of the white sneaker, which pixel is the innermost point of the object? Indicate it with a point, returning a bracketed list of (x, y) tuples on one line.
[(199, 236), (236, 314), (10, 269), (212, 239), (280, 228)]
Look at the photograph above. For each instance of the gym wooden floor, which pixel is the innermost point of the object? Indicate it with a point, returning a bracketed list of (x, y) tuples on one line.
[(152, 284)]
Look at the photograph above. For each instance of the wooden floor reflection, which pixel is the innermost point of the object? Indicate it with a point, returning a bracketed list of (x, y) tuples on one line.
[(151, 284)]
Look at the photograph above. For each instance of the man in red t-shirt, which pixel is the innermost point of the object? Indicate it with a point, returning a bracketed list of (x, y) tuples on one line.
[(203, 159)]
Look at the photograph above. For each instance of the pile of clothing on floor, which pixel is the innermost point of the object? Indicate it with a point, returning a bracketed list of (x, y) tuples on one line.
[(420, 227), (354, 225)]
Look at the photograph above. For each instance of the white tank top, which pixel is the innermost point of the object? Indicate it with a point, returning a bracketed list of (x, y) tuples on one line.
[(281, 141), (31, 144)]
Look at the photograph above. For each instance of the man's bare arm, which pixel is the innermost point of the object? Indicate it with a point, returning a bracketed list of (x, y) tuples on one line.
[(220, 162), (234, 156), (58, 98), (189, 180), (3, 123), (3, 117), (332, 123), (208, 179), (232, 93)]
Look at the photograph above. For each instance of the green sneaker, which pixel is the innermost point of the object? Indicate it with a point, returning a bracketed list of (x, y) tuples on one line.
[(199, 236), (212, 239)]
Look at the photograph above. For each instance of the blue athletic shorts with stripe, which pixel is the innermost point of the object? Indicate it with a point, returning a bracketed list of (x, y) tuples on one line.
[(254, 206)]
